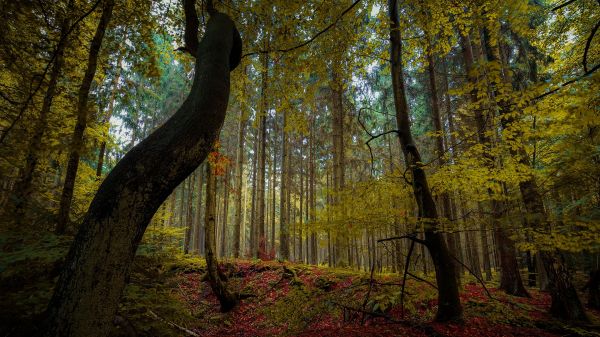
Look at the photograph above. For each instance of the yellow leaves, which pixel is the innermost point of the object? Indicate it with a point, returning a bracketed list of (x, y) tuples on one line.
[(565, 235)]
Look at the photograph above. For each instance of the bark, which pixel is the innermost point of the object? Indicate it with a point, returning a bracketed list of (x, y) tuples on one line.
[(239, 186), (565, 301), (82, 116), (225, 212), (262, 168), (273, 185), (253, 246), (284, 245), (337, 127), (23, 187), (198, 228), (227, 299), (441, 153), (313, 202), (510, 277), (593, 288), (301, 176), (189, 217), (449, 307), (87, 293), (109, 112)]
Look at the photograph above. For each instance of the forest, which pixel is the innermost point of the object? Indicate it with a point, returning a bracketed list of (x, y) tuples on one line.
[(299, 168)]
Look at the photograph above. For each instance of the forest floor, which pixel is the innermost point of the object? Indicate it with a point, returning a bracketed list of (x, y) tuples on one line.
[(168, 296)]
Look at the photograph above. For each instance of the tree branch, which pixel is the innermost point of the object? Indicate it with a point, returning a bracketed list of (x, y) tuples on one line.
[(588, 44), (314, 37), (566, 3), (50, 62), (192, 24)]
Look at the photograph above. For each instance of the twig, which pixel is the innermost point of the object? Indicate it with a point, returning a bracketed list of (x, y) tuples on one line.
[(406, 264), (588, 44), (566, 3), (475, 275), (362, 321), (178, 327), (560, 86), (314, 37), (43, 76), (412, 237), (422, 280)]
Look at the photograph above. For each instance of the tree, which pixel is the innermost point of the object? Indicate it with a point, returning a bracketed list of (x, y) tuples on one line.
[(82, 116), (227, 299), (23, 186), (448, 300), (100, 258)]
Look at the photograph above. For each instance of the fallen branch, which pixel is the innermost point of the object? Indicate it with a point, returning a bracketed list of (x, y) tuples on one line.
[(422, 280), (362, 320), (427, 329), (171, 324)]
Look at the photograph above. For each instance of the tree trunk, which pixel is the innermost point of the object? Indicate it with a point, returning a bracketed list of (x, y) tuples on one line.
[(449, 307), (441, 153), (227, 299), (337, 128), (313, 202), (273, 248), (198, 228), (262, 168), (565, 301), (301, 222), (87, 293), (109, 112), (23, 187), (82, 116), (225, 212), (189, 220), (510, 278), (284, 236), (237, 231), (253, 246)]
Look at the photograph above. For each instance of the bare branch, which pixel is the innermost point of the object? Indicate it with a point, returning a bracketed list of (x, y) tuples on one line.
[(314, 37), (566, 3)]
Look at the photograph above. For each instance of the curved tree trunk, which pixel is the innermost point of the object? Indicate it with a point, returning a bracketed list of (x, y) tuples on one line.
[(88, 291), (449, 307)]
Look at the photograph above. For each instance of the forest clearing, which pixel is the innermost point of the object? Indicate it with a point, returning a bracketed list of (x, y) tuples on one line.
[(299, 168)]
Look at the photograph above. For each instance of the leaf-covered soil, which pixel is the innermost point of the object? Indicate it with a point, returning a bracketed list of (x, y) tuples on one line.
[(168, 296)]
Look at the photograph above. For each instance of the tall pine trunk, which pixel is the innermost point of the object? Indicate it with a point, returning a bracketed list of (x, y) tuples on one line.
[(262, 168), (510, 277), (237, 229), (284, 236), (23, 187), (565, 301), (441, 153), (189, 217), (227, 299), (82, 116)]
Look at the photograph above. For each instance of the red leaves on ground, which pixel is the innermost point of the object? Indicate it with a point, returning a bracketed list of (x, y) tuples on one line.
[(267, 280)]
